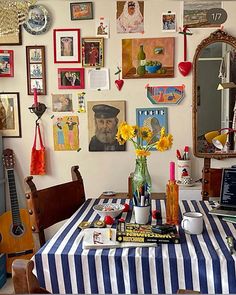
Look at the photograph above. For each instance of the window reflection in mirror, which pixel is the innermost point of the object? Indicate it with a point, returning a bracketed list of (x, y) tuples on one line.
[(216, 64)]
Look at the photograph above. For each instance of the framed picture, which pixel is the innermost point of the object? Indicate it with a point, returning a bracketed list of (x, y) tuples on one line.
[(109, 114), (6, 63), (81, 10), (11, 39), (71, 78), (10, 125), (36, 72), (66, 45), (154, 119), (157, 62), (92, 52)]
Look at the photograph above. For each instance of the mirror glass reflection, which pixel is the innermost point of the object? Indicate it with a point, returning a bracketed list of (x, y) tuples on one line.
[(216, 64)]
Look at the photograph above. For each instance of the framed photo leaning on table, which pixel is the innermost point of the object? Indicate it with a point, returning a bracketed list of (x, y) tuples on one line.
[(10, 125), (66, 45), (36, 72)]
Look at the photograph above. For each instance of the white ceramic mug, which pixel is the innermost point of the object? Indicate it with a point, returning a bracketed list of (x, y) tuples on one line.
[(141, 214), (192, 223)]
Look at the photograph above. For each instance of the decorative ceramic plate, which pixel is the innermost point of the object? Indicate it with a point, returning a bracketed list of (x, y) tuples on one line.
[(39, 20)]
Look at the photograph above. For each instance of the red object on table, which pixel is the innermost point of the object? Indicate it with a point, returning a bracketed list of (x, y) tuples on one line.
[(126, 209), (109, 220)]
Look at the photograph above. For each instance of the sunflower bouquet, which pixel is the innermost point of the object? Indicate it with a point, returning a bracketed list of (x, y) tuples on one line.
[(143, 139)]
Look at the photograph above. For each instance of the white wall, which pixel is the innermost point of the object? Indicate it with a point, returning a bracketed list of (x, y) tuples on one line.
[(106, 170)]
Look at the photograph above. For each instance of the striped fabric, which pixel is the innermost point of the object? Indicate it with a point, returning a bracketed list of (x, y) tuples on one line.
[(200, 262)]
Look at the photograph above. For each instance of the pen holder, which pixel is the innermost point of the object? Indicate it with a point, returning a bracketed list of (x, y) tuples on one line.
[(142, 214), (183, 169)]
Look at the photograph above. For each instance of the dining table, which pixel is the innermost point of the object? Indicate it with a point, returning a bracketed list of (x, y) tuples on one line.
[(199, 262)]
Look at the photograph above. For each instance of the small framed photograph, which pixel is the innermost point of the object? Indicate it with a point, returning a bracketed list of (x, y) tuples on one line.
[(62, 103), (71, 78), (154, 119), (36, 72), (10, 125), (169, 22), (92, 52), (6, 63), (81, 10), (66, 45), (11, 39)]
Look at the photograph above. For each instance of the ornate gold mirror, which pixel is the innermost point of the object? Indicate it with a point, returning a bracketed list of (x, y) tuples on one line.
[(214, 67)]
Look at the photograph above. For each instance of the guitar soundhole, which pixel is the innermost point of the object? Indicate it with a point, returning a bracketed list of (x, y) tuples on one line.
[(18, 230)]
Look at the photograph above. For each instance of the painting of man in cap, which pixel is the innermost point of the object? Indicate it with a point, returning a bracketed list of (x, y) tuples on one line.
[(103, 118), (130, 20)]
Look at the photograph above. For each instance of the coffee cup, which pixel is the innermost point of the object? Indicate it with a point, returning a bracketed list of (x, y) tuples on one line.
[(192, 223)]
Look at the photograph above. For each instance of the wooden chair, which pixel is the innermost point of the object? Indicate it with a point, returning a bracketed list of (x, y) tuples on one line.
[(53, 204), (211, 180), (24, 281)]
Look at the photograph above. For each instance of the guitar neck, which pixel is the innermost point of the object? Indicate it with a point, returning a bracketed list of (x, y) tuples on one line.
[(16, 219)]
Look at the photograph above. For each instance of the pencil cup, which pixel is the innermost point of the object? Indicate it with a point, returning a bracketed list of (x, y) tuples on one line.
[(183, 169), (142, 214)]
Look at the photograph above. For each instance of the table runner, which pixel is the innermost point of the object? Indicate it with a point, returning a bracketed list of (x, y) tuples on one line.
[(199, 262)]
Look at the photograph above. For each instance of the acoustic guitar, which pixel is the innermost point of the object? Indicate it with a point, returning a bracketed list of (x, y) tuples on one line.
[(17, 239)]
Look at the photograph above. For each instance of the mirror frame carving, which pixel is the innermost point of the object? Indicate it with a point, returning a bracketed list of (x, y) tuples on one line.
[(217, 36)]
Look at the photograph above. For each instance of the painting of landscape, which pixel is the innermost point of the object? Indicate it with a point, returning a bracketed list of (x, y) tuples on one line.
[(195, 13)]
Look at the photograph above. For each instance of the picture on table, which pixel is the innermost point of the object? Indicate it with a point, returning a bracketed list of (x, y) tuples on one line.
[(66, 133), (71, 78), (104, 118), (62, 103), (130, 16)]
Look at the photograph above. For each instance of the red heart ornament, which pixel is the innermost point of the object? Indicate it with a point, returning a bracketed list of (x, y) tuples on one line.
[(119, 84), (185, 67)]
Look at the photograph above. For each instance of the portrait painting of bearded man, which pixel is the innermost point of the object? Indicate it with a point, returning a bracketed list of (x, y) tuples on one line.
[(104, 118), (129, 16)]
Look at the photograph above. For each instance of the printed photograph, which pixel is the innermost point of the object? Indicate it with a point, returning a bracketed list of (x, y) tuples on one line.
[(70, 78), (130, 16), (102, 28), (62, 103), (195, 13), (92, 52), (66, 133), (169, 22), (104, 118)]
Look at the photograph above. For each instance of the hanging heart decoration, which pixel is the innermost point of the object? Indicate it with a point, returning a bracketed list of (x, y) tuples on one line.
[(185, 66), (119, 82)]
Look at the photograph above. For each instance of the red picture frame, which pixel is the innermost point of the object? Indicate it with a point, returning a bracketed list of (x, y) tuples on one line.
[(6, 63), (71, 78), (66, 45)]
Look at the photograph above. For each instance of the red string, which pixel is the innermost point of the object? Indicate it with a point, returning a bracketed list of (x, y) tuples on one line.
[(185, 43)]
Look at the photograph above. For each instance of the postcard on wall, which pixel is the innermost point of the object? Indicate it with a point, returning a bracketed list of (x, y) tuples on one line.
[(148, 58), (154, 119), (104, 118), (195, 13), (81, 102), (102, 28), (168, 22), (98, 79), (165, 94), (66, 133), (130, 16), (62, 103)]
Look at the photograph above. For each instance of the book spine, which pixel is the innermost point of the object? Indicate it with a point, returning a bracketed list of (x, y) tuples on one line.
[(161, 240)]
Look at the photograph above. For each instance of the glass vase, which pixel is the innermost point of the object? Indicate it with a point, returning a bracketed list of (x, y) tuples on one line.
[(141, 183)]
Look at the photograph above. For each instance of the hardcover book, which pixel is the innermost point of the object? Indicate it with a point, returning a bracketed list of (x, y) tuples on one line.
[(137, 233)]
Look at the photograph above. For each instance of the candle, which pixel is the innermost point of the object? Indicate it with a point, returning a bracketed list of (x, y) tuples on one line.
[(35, 98), (172, 170)]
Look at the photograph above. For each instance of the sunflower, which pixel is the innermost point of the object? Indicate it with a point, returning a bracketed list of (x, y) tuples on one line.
[(142, 153), (162, 144), (126, 131), (145, 133)]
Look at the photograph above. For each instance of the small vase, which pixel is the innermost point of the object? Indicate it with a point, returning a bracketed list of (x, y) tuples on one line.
[(141, 183)]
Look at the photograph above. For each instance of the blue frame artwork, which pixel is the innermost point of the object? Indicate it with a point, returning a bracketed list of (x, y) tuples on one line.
[(154, 118)]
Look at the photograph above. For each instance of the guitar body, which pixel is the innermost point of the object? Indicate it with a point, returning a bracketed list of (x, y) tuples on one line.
[(16, 242)]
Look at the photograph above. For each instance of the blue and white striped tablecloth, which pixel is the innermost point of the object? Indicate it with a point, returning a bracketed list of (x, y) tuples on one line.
[(199, 262)]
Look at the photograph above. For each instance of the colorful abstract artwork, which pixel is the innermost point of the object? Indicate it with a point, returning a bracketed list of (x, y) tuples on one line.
[(165, 94)]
